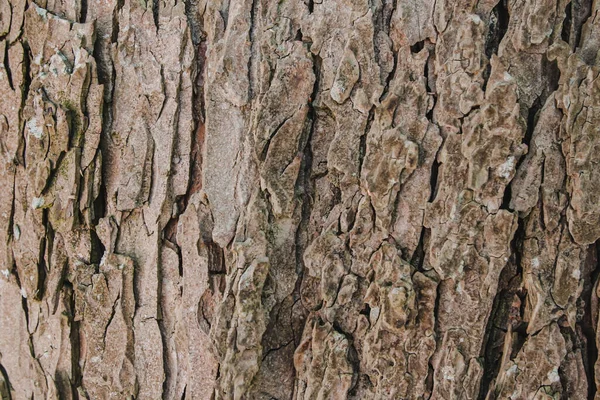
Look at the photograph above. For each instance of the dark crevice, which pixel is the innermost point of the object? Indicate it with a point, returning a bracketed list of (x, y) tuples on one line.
[(192, 13), (429, 380), (417, 47), (362, 149), (112, 315), (506, 198), (366, 311), (354, 360), (97, 248), (581, 10), (84, 9), (99, 211), (155, 13), (216, 257), (252, 63), (99, 204), (164, 336), (506, 316), (115, 23), (516, 246), (6, 388), (418, 256), (587, 325), (428, 84), (305, 189), (433, 179), (473, 110), (195, 179), (74, 337), (498, 25), (7, 67), (203, 321), (27, 56), (197, 142), (532, 117), (388, 81), (54, 174), (388, 11), (551, 73), (42, 267), (567, 26)]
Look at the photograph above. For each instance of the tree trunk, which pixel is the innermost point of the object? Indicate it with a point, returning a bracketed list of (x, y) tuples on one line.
[(255, 199)]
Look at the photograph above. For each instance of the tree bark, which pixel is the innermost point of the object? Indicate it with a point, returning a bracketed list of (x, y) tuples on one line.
[(254, 199)]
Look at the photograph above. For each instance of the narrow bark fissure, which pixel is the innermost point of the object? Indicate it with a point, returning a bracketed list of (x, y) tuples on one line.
[(588, 323), (197, 138), (23, 299), (7, 68), (430, 91), (491, 349), (532, 118), (503, 318), (265, 148), (498, 25), (551, 72), (115, 28), (433, 179), (418, 256), (430, 379), (362, 147), (573, 342), (110, 318), (6, 388), (305, 189), (24, 93), (83, 11), (505, 205), (11, 219), (74, 338), (54, 172), (581, 10), (273, 350), (252, 63), (592, 348), (389, 79), (195, 24), (156, 13), (567, 26), (41, 266)]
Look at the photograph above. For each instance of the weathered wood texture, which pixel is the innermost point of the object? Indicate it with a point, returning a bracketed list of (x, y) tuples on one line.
[(277, 199)]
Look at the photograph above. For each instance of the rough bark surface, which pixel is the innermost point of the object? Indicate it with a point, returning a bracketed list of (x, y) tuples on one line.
[(258, 199)]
